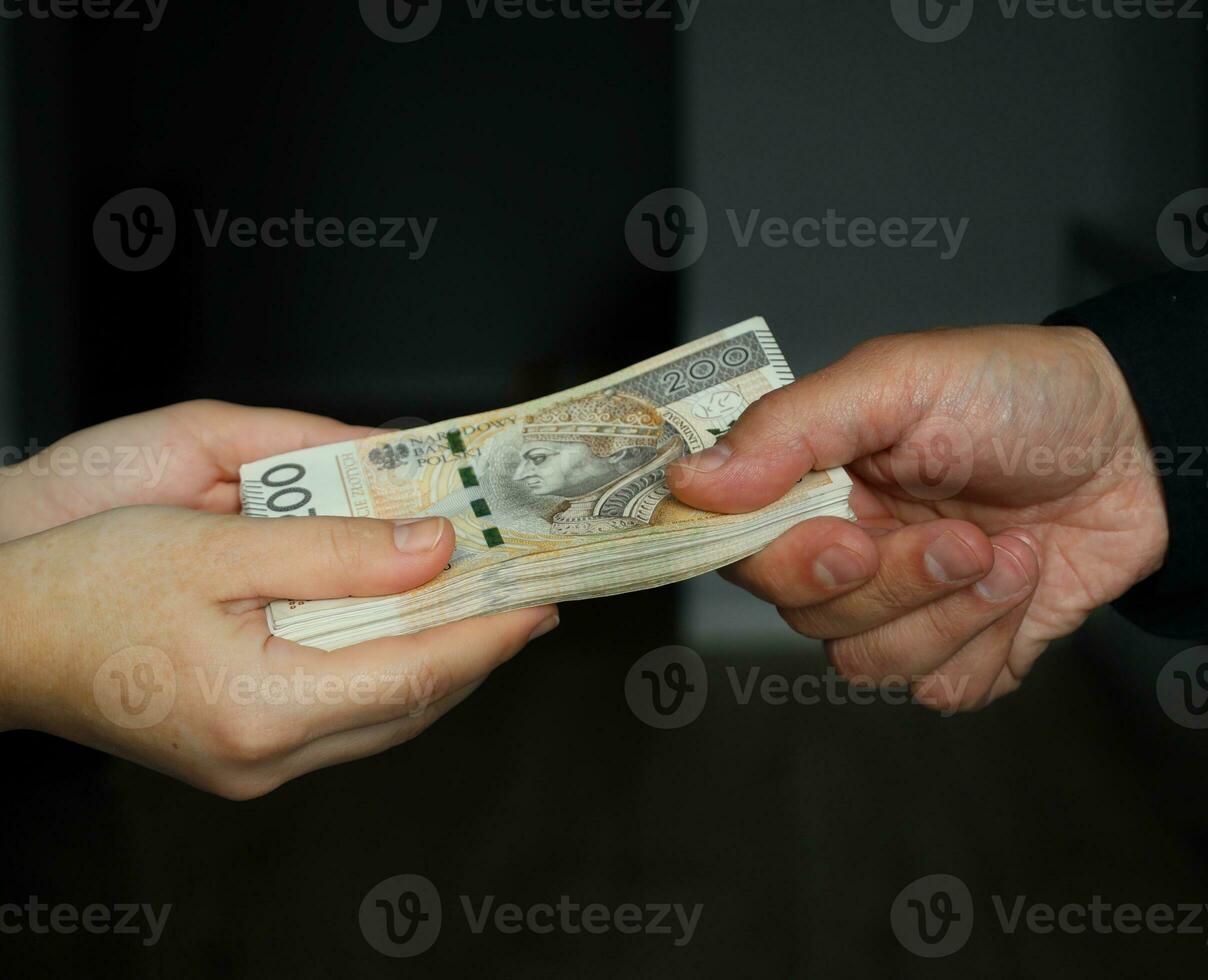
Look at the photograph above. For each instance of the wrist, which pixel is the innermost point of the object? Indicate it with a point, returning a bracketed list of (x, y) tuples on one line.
[(1139, 464), (17, 654), (14, 502), (9, 475), (23, 489)]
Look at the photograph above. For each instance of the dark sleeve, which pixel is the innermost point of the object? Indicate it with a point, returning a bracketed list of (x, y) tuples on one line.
[(1157, 330)]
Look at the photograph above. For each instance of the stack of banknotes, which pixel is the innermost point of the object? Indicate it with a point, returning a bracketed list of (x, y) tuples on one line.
[(558, 499)]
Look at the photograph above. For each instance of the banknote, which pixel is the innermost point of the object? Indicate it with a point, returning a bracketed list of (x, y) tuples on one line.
[(558, 498)]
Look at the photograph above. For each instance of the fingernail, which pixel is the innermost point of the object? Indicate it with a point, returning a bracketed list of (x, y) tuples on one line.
[(1006, 579), (839, 565), (418, 536), (548, 626), (873, 530), (949, 560), (709, 460), (1020, 535)]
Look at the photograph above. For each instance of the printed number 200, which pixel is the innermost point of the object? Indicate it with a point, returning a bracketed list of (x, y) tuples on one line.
[(288, 498), (704, 368)]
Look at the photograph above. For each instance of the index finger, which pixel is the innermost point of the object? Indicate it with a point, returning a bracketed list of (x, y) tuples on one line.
[(388, 679), (241, 434)]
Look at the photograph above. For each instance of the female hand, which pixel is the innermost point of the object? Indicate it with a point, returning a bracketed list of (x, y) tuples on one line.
[(142, 632), (185, 455)]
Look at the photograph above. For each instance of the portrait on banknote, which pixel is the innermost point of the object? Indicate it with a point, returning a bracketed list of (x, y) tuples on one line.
[(604, 457)]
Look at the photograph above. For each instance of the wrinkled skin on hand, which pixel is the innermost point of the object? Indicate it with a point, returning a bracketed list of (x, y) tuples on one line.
[(1011, 458)]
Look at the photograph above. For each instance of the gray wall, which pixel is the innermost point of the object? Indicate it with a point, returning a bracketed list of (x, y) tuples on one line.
[(1060, 141)]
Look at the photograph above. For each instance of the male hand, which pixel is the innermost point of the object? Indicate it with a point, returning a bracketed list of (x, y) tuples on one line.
[(1003, 487)]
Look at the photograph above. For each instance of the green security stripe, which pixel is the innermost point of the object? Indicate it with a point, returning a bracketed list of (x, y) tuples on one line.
[(456, 443), (481, 508)]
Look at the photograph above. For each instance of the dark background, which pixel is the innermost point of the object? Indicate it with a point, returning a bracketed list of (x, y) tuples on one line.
[(530, 141)]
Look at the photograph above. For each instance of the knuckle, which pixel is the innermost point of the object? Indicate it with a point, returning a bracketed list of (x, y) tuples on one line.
[(220, 551), (246, 737), (425, 683), (877, 348), (201, 405), (802, 620), (890, 591), (776, 419), (816, 622), (855, 659), (772, 580), (945, 624), (242, 787), (937, 693), (408, 729), (345, 543)]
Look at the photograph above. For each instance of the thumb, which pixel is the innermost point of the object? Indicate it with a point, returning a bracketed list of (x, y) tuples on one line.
[(851, 409), (331, 557)]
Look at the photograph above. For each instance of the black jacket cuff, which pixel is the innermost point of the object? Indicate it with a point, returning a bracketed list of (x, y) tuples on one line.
[(1157, 331)]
